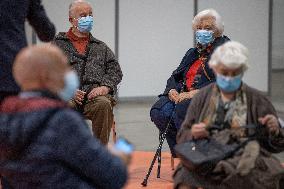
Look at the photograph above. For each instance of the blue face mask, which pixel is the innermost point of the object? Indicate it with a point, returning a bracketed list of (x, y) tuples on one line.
[(229, 84), (204, 37), (71, 83), (85, 24)]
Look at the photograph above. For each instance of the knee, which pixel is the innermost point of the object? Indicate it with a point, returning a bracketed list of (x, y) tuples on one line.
[(154, 114), (181, 109), (101, 104), (162, 113), (157, 116)]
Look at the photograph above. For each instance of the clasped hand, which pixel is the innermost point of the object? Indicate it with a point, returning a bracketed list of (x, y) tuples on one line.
[(179, 97), (98, 91)]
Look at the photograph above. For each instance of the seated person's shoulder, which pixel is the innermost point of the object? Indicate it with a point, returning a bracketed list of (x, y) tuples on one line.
[(255, 92), (190, 51), (206, 89), (60, 36), (203, 94), (100, 43)]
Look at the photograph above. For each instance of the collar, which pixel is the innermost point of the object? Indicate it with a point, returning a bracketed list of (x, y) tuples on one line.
[(212, 46), (38, 93), (63, 36), (74, 37), (203, 51), (32, 100)]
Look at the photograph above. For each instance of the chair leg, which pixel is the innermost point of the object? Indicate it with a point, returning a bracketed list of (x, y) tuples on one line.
[(113, 132), (172, 163)]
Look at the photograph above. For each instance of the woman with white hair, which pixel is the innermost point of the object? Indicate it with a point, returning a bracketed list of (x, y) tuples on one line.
[(232, 105), (192, 74)]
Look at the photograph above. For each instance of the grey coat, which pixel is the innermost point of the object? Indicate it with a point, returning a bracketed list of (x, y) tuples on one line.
[(98, 67)]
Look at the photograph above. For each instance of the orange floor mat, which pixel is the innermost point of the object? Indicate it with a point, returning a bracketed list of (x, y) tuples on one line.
[(139, 168)]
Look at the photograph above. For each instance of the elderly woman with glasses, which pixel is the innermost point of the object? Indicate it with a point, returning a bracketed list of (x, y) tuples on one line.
[(192, 74), (231, 104)]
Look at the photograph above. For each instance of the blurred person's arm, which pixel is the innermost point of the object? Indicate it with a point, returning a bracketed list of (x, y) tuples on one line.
[(38, 19), (77, 148), (126, 158)]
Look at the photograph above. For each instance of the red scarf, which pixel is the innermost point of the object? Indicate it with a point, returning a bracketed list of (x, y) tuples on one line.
[(80, 43)]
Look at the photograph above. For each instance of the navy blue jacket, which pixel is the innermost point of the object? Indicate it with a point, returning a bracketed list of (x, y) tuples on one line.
[(58, 152), (13, 14), (177, 79)]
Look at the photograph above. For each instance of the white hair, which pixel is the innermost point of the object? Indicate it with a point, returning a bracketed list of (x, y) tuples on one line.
[(73, 5), (212, 14), (232, 54)]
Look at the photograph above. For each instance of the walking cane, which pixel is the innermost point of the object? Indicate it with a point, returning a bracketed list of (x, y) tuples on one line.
[(159, 156), (158, 153)]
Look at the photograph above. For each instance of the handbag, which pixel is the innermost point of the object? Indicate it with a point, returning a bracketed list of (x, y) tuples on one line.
[(202, 155)]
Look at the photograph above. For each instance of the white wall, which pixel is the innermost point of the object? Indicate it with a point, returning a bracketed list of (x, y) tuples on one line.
[(278, 35), (29, 31), (154, 36), (247, 22), (103, 11)]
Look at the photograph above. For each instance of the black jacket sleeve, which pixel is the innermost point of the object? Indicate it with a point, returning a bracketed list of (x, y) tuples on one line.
[(176, 79), (38, 19)]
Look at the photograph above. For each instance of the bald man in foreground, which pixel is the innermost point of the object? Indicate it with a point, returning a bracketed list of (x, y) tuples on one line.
[(43, 143)]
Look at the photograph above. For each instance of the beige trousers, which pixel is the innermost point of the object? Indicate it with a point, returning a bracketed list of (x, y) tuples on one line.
[(100, 111)]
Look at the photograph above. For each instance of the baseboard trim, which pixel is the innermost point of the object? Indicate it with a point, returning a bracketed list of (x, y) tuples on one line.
[(137, 99), (277, 70)]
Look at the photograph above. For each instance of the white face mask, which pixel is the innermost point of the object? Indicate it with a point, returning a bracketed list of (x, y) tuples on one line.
[(71, 84)]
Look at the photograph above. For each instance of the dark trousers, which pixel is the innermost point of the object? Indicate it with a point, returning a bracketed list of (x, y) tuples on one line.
[(165, 110)]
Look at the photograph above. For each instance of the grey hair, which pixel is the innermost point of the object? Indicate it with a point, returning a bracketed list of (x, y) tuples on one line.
[(73, 4), (209, 13), (232, 54)]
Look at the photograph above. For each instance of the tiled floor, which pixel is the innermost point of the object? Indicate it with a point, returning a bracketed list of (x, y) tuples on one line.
[(139, 168), (133, 122)]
